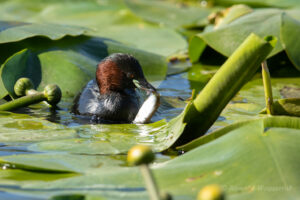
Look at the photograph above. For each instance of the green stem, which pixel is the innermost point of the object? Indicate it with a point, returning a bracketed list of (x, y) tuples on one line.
[(239, 68), (23, 101), (267, 87), (150, 182), (31, 91)]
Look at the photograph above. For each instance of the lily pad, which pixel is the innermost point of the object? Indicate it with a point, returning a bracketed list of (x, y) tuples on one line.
[(116, 139), (279, 122), (58, 162), (249, 101), (19, 128), (11, 31), (262, 22), (258, 3), (290, 29), (22, 64), (169, 13), (110, 19), (236, 166), (280, 23), (70, 63), (290, 107)]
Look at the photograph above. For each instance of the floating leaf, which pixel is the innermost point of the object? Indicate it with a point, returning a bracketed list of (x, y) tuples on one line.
[(70, 63), (290, 30), (58, 162), (262, 22), (196, 47), (117, 139), (258, 3), (111, 19), (15, 31), (168, 13), (279, 122), (232, 153), (18, 128), (232, 13), (22, 64), (290, 107)]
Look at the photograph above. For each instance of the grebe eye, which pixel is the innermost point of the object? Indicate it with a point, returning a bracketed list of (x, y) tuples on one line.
[(131, 76)]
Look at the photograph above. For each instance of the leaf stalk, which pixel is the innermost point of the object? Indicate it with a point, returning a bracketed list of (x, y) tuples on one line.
[(150, 182), (267, 87)]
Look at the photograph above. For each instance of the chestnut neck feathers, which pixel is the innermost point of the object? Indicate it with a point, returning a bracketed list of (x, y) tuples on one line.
[(116, 72)]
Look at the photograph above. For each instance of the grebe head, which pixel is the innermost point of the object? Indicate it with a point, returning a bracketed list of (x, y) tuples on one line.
[(120, 71)]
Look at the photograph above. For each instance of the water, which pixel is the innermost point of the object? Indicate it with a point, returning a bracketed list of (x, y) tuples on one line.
[(173, 91)]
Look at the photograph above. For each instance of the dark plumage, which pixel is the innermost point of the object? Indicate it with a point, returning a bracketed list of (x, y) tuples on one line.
[(111, 97)]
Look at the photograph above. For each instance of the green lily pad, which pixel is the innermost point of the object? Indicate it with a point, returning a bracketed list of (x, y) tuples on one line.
[(290, 30), (70, 63), (15, 31), (249, 101), (196, 48), (280, 23), (290, 107), (228, 37), (20, 175), (110, 19), (19, 128), (258, 3), (169, 13), (279, 122), (58, 162), (116, 139), (230, 159), (70, 70), (22, 64)]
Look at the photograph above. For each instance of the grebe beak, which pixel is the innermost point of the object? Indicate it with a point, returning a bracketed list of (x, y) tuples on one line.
[(143, 84)]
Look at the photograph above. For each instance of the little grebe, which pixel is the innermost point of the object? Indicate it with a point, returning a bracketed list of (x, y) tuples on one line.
[(111, 97)]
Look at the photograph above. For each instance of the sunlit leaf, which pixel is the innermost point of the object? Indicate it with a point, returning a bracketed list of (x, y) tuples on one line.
[(258, 3), (111, 19), (238, 158), (290, 30), (18, 128), (70, 63), (22, 64), (15, 31), (290, 107), (263, 22), (169, 13), (117, 139)]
